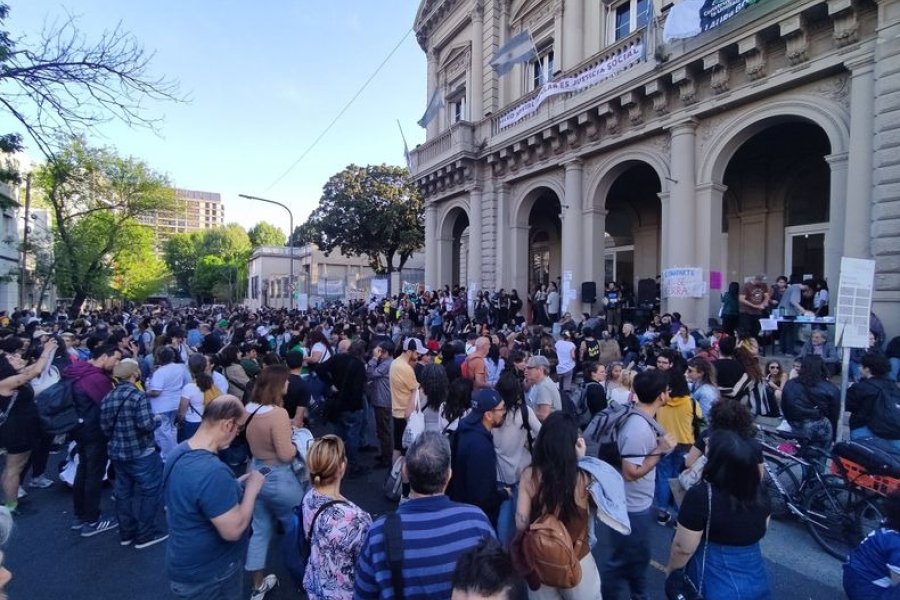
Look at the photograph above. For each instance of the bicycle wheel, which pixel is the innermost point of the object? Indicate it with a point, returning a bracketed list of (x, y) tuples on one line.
[(840, 516), (783, 473)]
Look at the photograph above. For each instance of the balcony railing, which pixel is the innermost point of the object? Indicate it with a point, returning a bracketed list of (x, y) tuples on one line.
[(458, 140)]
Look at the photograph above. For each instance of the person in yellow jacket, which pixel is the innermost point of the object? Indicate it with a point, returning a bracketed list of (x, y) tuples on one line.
[(677, 417)]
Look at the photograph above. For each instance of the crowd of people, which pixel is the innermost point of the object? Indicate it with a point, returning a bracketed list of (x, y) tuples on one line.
[(483, 420)]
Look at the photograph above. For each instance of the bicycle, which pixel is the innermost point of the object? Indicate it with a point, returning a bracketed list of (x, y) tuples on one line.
[(837, 513)]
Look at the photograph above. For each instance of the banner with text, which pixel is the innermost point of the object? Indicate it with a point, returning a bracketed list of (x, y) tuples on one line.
[(610, 67), (683, 283), (689, 18)]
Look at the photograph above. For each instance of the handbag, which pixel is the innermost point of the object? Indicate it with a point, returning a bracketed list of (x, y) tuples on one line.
[(415, 424), (393, 482)]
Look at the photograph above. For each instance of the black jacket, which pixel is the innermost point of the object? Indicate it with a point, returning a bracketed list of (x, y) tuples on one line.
[(475, 467), (802, 403), (348, 374), (861, 400)]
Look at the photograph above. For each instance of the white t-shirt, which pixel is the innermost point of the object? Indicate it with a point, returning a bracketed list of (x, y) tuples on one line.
[(169, 380), (220, 381), (320, 347), (194, 396), (564, 350)]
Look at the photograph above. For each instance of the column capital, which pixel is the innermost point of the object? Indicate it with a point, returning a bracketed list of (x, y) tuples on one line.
[(475, 189), (714, 187), (594, 211), (573, 164), (837, 159), (860, 65), (683, 127), (477, 12)]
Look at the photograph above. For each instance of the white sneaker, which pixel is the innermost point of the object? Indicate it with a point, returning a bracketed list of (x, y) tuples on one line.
[(22, 493), (40, 482), (267, 585)]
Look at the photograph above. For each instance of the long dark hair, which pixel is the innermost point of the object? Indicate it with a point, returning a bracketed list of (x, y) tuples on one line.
[(435, 385), (733, 468), (554, 466), (459, 399), (812, 370), (197, 366)]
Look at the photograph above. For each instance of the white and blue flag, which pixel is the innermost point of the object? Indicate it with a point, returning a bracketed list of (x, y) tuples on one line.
[(434, 106), (518, 49)]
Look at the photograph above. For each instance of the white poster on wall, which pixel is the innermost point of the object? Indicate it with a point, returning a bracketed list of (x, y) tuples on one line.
[(854, 302), (683, 283)]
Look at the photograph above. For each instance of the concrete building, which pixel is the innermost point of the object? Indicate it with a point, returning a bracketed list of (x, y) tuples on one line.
[(321, 277), (39, 290), (9, 249), (765, 144), (194, 211)]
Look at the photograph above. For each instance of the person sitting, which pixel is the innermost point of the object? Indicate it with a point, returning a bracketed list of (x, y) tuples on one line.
[(818, 345), (866, 402), (811, 403), (872, 570)]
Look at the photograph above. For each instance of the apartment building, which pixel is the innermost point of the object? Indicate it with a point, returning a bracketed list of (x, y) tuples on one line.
[(193, 211), (765, 143)]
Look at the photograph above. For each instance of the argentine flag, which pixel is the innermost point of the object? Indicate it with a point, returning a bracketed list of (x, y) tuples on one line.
[(434, 106), (519, 49)]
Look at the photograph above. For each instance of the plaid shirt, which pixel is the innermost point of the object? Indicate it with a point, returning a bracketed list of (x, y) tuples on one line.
[(128, 422)]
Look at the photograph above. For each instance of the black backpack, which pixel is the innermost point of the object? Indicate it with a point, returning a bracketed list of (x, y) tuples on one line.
[(62, 410), (602, 434)]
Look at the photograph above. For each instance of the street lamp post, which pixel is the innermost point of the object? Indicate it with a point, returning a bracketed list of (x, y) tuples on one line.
[(290, 235)]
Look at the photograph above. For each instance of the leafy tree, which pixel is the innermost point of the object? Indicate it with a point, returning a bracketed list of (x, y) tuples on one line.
[(58, 83), (210, 264), (95, 196), (373, 210), (181, 253), (266, 234), (138, 271), (230, 242)]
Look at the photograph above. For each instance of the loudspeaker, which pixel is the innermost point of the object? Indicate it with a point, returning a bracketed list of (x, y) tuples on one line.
[(589, 292), (646, 293)]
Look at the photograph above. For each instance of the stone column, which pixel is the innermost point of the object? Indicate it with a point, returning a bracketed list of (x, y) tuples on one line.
[(433, 127), (594, 250), (557, 39), (682, 237), (709, 200), (572, 248), (475, 226), (517, 259), (572, 34), (503, 82), (501, 253), (476, 102), (839, 209), (431, 249), (858, 213)]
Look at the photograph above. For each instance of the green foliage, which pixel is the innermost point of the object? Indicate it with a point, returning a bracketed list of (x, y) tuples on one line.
[(373, 210), (138, 271), (210, 264), (266, 234), (96, 197)]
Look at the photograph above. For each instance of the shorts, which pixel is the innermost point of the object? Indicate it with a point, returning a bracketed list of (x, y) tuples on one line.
[(399, 426)]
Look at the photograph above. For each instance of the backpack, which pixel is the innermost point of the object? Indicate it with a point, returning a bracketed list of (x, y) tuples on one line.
[(602, 433), (296, 546), (582, 410), (57, 408), (546, 553)]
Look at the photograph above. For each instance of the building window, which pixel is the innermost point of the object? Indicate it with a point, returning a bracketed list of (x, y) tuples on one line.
[(457, 107), (254, 287), (542, 68), (629, 16)]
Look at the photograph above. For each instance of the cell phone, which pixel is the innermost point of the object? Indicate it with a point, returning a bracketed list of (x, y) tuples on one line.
[(265, 471)]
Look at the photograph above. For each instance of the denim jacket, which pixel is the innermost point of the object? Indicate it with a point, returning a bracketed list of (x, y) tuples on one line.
[(607, 489)]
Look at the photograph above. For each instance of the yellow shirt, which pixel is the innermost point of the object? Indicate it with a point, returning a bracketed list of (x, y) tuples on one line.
[(676, 417), (403, 382)]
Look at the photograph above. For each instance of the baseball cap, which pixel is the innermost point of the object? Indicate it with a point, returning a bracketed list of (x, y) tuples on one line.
[(40, 333), (486, 400), (415, 344), (434, 346)]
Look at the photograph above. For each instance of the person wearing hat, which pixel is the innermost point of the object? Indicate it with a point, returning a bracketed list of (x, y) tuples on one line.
[(404, 384), (474, 460), (543, 394), (128, 423)]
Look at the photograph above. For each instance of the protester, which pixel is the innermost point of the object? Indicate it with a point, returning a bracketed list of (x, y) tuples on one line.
[(346, 371), (195, 396), (543, 394), (404, 388), (378, 389), (872, 570), (811, 403), (486, 573), (164, 389), (866, 401)]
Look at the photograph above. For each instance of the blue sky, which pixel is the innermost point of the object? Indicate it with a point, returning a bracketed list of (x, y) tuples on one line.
[(264, 78)]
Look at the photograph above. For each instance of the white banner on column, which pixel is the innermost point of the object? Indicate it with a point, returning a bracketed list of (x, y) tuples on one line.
[(378, 287), (683, 283), (854, 302)]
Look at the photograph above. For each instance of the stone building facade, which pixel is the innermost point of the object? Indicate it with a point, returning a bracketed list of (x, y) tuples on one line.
[(767, 144)]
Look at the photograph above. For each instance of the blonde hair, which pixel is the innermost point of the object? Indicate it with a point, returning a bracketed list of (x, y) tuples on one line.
[(324, 460), (626, 378)]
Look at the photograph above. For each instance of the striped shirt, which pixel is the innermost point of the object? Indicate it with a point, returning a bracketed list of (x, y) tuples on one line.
[(436, 532)]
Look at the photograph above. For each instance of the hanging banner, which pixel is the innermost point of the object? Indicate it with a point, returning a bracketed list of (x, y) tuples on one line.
[(854, 302), (378, 287), (683, 283), (610, 67), (689, 18)]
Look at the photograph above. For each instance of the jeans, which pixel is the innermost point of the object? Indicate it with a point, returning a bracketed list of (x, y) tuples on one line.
[(667, 468), (624, 575), (280, 493), (141, 477), (862, 433), (166, 435), (40, 454), (348, 427), (506, 518), (565, 380), (749, 323), (819, 431), (364, 426), (731, 572), (92, 459), (228, 585), (383, 431)]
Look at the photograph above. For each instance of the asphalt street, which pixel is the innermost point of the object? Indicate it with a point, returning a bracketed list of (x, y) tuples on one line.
[(50, 562)]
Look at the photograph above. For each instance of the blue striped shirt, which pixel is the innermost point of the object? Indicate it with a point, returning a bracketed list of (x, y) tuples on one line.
[(436, 532)]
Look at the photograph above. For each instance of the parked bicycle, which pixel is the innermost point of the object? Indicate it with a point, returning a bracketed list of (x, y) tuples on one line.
[(837, 512)]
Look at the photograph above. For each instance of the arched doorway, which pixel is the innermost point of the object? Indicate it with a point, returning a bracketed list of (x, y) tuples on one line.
[(544, 248), (454, 256), (633, 227), (776, 210)]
